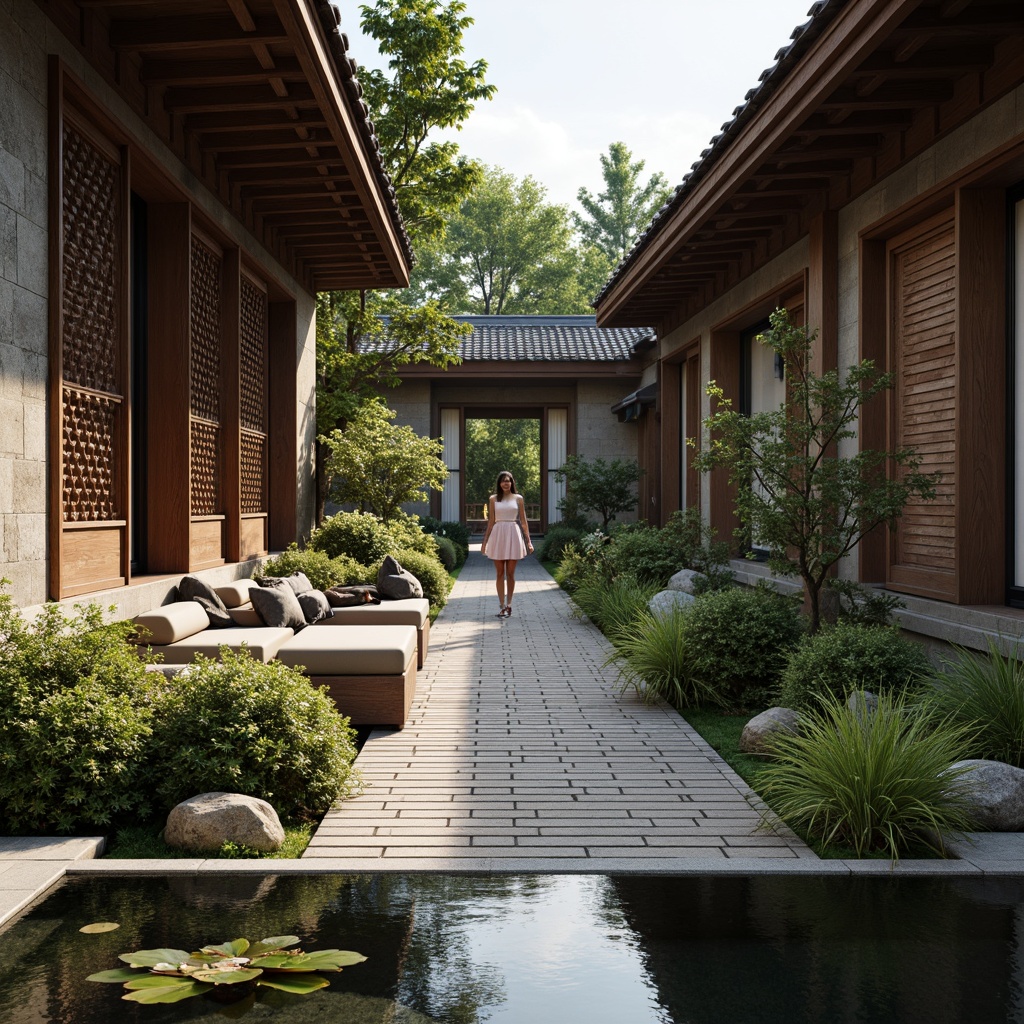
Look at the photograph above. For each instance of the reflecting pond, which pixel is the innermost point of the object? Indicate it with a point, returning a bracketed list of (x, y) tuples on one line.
[(539, 949)]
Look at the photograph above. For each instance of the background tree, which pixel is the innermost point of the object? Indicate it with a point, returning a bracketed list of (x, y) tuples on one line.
[(494, 445), (808, 505), (613, 220), (506, 250), (377, 466), (429, 87), (606, 488)]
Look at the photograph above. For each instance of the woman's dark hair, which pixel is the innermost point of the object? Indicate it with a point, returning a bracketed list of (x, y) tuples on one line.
[(497, 487)]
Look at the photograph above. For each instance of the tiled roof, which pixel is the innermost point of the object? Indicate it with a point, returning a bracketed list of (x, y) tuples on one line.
[(558, 339)]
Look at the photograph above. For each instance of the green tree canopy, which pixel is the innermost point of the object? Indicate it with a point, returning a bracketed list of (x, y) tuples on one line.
[(806, 503), (600, 486), (496, 444), (613, 220), (506, 250), (377, 466)]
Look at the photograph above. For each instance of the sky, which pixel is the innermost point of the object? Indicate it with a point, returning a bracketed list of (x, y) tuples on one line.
[(573, 76)]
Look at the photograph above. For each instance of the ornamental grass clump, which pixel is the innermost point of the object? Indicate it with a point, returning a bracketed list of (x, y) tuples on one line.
[(879, 782), (616, 606), (986, 692)]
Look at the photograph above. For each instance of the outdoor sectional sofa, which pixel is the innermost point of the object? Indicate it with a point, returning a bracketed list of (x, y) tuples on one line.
[(366, 656)]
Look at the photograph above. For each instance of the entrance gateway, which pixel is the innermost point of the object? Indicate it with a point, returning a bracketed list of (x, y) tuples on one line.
[(561, 370)]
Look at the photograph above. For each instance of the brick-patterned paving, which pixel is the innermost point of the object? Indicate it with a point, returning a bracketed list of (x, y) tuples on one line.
[(521, 753)]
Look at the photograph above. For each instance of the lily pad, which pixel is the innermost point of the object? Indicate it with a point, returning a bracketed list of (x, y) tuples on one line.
[(234, 948), (117, 974), (141, 981), (275, 942), (331, 959), (298, 984), (215, 977), (168, 993), (99, 927)]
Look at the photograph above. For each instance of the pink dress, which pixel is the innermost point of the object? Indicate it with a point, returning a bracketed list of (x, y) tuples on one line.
[(506, 539)]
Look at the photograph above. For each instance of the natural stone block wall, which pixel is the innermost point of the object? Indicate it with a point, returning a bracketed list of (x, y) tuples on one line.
[(23, 299)]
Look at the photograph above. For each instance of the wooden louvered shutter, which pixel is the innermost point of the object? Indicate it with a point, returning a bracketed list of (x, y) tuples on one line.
[(922, 339)]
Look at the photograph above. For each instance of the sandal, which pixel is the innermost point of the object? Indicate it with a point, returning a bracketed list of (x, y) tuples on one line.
[(507, 613), (501, 614)]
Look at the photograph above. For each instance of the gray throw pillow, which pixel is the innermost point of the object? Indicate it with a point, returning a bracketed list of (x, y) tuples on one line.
[(298, 581), (277, 605), (191, 588), (315, 606), (396, 583)]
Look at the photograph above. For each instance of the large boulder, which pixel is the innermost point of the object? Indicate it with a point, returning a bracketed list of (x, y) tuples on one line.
[(205, 822), (760, 731), (667, 601), (684, 580), (995, 794)]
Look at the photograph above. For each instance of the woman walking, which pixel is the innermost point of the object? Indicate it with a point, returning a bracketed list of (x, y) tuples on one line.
[(508, 535)]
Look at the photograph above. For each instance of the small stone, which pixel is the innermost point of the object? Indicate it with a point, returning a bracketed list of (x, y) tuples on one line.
[(761, 730), (995, 794), (863, 703), (205, 822), (667, 601), (684, 580)]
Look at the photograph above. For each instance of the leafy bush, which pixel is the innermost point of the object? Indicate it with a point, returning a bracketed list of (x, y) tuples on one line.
[(615, 606), (321, 570), (640, 550), (429, 571), (457, 533), (738, 641), (555, 540), (406, 534), (358, 535), (695, 546), (879, 782), (448, 553), (986, 692), (653, 658), (246, 727), (75, 710), (845, 657)]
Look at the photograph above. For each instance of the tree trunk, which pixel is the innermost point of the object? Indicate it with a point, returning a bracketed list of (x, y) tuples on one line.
[(322, 481)]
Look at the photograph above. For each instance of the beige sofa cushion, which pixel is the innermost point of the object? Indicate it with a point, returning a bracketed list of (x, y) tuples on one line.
[(410, 611), (353, 651), (245, 615), (236, 594), (262, 643), (172, 622)]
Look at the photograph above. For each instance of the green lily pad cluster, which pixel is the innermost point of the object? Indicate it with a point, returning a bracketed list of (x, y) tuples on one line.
[(174, 974)]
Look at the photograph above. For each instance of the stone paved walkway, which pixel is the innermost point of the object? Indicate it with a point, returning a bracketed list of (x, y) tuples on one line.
[(522, 754)]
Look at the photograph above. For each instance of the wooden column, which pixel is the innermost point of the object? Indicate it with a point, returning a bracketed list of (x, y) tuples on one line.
[(822, 301), (670, 379), (284, 438), (725, 370), (230, 405)]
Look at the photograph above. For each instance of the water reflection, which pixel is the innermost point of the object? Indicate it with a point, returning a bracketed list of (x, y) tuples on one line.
[(539, 949)]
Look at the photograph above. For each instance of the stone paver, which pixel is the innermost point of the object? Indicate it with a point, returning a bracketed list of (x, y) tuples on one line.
[(30, 866), (521, 750)]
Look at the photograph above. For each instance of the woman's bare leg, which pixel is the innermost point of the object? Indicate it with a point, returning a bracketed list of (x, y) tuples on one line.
[(499, 583), (510, 576)]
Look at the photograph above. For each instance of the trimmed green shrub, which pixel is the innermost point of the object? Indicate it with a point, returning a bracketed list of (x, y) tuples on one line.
[(429, 571), (247, 727), (986, 693), (640, 550), (457, 533), (555, 540), (653, 658), (844, 657), (321, 570), (573, 567), (358, 535), (875, 781), (448, 553), (738, 642), (406, 534), (75, 710)]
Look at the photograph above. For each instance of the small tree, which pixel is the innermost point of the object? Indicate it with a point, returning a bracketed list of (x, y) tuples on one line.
[(606, 488), (377, 466), (809, 506)]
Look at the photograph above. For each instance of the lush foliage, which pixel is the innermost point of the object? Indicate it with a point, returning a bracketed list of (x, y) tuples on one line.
[(379, 466), (555, 540), (357, 534), (844, 657), (986, 693), (606, 488), (875, 781), (614, 607), (504, 444), (171, 975), (75, 719), (449, 555), (653, 657), (457, 533), (436, 582), (617, 216), (808, 505), (738, 641), (321, 570), (246, 727)]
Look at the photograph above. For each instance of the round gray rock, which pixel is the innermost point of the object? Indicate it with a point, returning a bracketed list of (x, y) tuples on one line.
[(759, 732), (684, 579), (995, 793), (207, 821), (862, 703), (667, 601)]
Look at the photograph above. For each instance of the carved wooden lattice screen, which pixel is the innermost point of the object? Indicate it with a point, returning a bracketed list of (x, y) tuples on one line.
[(206, 496), (93, 414), (254, 414)]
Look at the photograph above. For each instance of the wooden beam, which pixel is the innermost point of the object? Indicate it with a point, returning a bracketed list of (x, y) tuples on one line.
[(168, 35), (194, 100), (237, 70)]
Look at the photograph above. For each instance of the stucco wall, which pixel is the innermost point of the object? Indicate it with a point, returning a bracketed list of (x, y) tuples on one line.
[(26, 39)]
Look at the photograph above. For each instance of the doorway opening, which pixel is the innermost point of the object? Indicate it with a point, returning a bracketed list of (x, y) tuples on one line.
[(496, 444)]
